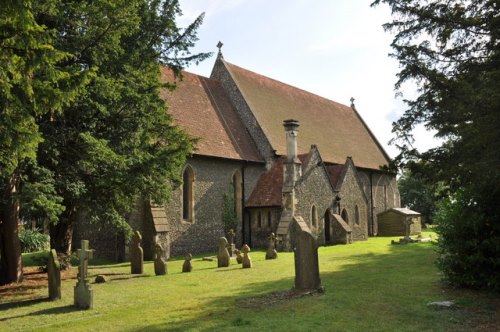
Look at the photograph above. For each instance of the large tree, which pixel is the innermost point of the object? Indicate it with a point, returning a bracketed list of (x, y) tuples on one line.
[(116, 142), (451, 51), (31, 85)]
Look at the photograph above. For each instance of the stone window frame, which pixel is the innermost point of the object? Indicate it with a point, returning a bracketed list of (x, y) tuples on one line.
[(356, 215), (345, 215), (187, 216), (314, 216), (269, 219), (237, 184)]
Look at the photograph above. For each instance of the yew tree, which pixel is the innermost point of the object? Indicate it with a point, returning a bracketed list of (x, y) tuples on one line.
[(451, 51), (32, 85), (115, 143)]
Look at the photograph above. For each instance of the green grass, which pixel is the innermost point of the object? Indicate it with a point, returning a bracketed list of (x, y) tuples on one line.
[(370, 286)]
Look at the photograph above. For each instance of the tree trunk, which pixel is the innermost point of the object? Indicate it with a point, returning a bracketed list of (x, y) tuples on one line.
[(61, 234), (11, 263)]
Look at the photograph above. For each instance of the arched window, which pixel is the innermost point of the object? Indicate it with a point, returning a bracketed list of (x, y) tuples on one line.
[(356, 215), (314, 216), (269, 223), (259, 219), (187, 194), (344, 215)]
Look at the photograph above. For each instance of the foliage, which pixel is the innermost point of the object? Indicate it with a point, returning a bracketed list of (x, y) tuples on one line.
[(418, 195), (115, 142), (229, 218), (451, 50), (33, 240), (236, 299), (469, 237)]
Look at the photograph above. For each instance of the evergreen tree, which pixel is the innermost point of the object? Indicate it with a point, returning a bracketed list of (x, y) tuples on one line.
[(451, 50), (116, 142), (32, 85)]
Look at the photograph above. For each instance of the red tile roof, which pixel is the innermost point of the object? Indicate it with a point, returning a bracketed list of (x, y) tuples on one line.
[(200, 106), (335, 173), (336, 129)]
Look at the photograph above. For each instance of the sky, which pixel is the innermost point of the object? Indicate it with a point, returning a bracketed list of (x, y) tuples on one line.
[(336, 49)]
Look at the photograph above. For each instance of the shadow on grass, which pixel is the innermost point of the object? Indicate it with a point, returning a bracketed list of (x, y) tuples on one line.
[(50, 311), (369, 291)]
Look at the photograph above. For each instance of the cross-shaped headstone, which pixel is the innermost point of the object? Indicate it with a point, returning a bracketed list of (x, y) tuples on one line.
[(84, 254)]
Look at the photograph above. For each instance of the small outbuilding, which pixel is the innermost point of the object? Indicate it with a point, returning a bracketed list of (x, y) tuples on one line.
[(399, 222)]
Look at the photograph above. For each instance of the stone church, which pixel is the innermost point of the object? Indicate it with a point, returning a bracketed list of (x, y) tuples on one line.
[(279, 152)]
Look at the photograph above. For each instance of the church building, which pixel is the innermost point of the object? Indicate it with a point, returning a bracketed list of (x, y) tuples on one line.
[(273, 151)]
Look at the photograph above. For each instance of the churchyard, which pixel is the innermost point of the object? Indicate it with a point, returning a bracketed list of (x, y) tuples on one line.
[(369, 286)]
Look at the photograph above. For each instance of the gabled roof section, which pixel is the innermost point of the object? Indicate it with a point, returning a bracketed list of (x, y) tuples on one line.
[(402, 211), (200, 107), (269, 187), (336, 129), (336, 174)]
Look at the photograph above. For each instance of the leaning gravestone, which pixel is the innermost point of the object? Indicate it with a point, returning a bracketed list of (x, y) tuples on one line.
[(305, 256), (223, 258), (136, 254), (239, 258), (247, 261), (84, 295), (271, 248), (230, 240), (54, 276), (187, 267), (160, 265)]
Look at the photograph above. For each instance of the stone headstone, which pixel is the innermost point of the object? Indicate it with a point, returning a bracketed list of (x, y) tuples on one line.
[(160, 265), (187, 267), (239, 258), (230, 239), (271, 248), (136, 254), (54, 276), (247, 261), (84, 295), (223, 257), (305, 256)]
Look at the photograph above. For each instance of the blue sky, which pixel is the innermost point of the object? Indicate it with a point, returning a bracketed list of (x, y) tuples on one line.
[(333, 48)]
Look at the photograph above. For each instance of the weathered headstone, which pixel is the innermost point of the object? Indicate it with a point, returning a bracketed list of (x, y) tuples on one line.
[(223, 258), (160, 265), (305, 256), (247, 261), (136, 254), (230, 239), (84, 295), (54, 276), (187, 267), (239, 258), (271, 248)]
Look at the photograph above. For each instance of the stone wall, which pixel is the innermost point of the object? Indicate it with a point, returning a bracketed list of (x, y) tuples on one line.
[(314, 189), (353, 198), (263, 221), (382, 191), (212, 179)]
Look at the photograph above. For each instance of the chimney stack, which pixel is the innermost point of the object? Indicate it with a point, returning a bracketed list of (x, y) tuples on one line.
[(291, 139)]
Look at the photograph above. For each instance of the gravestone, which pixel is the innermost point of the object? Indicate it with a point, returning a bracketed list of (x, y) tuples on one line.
[(160, 265), (247, 261), (84, 295), (54, 276), (230, 239), (271, 248), (305, 256), (223, 257), (187, 267), (136, 254), (239, 258)]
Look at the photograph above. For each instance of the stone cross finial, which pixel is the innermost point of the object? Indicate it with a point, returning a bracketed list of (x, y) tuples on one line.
[(352, 102), (219, 46)]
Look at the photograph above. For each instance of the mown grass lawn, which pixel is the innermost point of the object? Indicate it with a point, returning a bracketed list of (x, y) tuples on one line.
[(369, 286)]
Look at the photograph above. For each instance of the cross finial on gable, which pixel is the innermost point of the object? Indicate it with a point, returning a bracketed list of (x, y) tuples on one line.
[(352, 102), (219, 46)]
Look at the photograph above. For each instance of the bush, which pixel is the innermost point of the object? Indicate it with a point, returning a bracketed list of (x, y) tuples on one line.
[(469, 238), (33, 240)]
